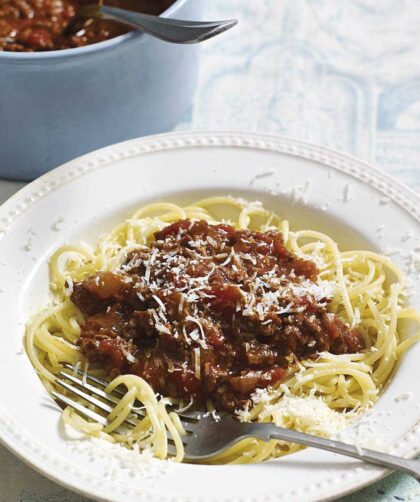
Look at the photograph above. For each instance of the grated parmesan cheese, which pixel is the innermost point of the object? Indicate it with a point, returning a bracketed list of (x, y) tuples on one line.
[(408, 235), (29, 244), (68, 286), (307, 414), (56, 226), (405, 396), (299, 194), (260, 176), (347, 193), (116, 460), (85, 373), (197, 362), (203, 336)]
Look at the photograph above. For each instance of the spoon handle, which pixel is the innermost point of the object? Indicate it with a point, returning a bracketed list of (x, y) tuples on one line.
[(170, 30)]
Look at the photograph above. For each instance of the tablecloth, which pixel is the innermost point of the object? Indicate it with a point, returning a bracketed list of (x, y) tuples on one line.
[(342, 73)]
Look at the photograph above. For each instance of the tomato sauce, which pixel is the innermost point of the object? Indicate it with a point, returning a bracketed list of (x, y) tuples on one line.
[(40, 25), (209, 312)]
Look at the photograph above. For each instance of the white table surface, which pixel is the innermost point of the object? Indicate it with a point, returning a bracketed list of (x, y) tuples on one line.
[(342, 73)]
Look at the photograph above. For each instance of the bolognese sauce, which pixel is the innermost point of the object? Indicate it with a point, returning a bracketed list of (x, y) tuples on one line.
[(209, 312), (40, 25)]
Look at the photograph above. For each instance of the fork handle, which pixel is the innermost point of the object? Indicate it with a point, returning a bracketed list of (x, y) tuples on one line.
[(270, 431)]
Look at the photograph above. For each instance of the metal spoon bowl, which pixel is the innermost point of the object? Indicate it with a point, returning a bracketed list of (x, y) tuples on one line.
[(175, 31)]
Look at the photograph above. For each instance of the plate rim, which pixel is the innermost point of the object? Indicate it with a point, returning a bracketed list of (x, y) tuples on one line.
[(333, 158), (21, 201)]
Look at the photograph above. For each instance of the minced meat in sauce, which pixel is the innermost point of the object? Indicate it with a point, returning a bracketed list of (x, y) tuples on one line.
[(208, 311), (40, 25)]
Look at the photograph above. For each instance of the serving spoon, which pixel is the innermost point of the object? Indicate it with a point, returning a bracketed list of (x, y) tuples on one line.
[(176, 31)]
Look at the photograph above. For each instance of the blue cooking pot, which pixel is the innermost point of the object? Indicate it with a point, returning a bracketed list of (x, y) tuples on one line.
[(57, 105)]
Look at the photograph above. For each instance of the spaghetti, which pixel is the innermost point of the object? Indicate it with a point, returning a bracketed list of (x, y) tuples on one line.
[(317, 395)]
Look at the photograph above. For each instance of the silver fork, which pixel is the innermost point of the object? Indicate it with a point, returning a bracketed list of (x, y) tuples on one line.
[(208, 434), (176, 31)]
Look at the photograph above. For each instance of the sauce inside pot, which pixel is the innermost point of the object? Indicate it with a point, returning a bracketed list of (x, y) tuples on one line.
[(39, 25)]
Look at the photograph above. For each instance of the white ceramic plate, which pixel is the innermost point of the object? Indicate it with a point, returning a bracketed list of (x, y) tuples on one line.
[(309, 185)]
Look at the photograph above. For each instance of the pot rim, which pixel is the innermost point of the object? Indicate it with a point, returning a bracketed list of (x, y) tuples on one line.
[(38, 57)]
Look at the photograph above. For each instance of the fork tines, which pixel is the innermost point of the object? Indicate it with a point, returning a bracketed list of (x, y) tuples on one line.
[(79, 384)]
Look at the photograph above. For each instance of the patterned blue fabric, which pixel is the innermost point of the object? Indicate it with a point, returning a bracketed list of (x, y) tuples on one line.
[(342, 73)]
